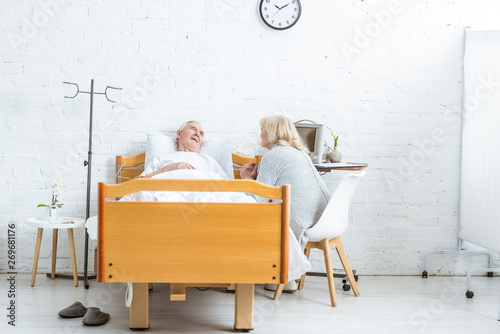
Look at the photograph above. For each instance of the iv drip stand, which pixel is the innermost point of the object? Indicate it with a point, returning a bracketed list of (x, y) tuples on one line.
[(88, 164)]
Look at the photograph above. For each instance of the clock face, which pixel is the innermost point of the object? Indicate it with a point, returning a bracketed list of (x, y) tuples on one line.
[(280, 14)]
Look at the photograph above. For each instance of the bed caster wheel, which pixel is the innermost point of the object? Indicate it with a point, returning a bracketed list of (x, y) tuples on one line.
[(346, 287), (469, 294), (356, 278), (490, 274), (424, 274), (243, 330)]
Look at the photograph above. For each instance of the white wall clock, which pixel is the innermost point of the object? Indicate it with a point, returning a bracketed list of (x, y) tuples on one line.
[(280, 14)]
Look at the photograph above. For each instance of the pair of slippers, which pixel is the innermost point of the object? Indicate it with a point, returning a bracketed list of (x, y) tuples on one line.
[(92, 316)]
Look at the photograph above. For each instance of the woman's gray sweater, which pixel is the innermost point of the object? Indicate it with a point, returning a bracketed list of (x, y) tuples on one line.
[(288, 165)]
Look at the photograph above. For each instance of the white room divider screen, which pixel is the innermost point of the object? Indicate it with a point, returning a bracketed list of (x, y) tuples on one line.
[(480, 178)]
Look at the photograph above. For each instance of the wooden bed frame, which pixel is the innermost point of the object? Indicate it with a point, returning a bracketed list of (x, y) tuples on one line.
[(191, 244), (128, 168)]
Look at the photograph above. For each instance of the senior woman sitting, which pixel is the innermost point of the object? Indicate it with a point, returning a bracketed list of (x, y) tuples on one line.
[(288, 163)]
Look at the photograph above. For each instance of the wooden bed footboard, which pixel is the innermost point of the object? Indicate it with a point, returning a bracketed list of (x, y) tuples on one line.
[(185, 243)]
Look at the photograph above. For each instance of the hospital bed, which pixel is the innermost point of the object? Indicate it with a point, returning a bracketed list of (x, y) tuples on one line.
[(191, 244)]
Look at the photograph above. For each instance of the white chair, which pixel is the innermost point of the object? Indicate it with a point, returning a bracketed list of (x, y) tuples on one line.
[(326, 233)]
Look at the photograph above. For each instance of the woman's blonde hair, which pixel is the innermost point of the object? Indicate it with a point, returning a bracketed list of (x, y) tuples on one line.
[(280, 130)]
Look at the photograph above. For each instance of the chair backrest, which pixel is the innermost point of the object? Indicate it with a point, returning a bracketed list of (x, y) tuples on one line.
[(335, 218)]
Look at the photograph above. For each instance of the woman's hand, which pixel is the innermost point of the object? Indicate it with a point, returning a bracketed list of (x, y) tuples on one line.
[(249, 170)]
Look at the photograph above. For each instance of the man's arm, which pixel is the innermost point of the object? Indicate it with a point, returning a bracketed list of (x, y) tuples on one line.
[(169, 167)]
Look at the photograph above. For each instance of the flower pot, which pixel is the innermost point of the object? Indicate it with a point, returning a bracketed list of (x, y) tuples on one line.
[(53, 215), (334, 156)]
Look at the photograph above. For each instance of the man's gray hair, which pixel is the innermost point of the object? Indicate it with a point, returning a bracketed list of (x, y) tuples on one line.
[(183, 126)]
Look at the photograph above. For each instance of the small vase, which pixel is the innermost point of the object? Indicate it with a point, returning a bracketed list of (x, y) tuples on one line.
[(334, 156), (53, 215)]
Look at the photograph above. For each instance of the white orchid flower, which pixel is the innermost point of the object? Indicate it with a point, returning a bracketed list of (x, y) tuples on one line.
[(56, 192)]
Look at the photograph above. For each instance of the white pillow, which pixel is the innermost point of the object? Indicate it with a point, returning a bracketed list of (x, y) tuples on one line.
[(159, 145), (220, 150)]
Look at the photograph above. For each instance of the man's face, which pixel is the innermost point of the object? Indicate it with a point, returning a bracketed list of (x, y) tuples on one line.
[(191, 138)]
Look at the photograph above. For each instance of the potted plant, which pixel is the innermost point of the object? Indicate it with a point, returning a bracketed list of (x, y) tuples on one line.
[(54, 204), (334, 155)]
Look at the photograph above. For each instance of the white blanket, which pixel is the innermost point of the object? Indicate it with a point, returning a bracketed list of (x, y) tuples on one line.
[(297, 261)]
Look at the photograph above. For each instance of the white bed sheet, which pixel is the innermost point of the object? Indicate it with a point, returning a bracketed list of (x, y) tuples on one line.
[(297, 261)]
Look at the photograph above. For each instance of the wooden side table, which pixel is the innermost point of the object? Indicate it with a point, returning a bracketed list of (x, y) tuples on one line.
[(65, 223)]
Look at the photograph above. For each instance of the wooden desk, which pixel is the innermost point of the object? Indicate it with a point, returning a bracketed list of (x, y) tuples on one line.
[(325, 168)]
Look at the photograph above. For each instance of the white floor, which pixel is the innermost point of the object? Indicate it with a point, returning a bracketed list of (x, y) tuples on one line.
[(387, 305)]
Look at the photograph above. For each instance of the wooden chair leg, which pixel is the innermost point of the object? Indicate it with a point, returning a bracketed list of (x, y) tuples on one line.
[(307, 251), (278, 291), (345, 263), (325, 245), (37, 254), (54, 253)]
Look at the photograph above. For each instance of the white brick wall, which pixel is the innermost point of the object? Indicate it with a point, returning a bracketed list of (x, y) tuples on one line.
[(386, 75)]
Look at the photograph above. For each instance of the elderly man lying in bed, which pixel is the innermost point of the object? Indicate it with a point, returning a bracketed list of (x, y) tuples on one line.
[(188, 163), (189, 140)]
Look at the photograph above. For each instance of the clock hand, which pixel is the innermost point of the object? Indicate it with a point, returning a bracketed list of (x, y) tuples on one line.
[(276, 12), (285, 5)]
